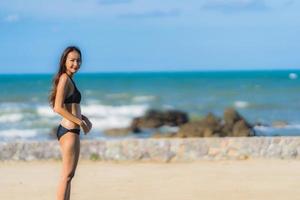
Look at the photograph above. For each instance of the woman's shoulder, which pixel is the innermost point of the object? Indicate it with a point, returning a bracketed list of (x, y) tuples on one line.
[(63, 78)]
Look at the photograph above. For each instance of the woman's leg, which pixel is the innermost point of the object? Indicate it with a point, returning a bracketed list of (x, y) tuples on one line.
[(70, 148)]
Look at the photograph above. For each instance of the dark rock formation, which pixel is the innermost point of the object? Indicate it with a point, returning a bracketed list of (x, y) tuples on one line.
[(207, 127), (164, 135), (155, 119), (233, 125), (117, 131)]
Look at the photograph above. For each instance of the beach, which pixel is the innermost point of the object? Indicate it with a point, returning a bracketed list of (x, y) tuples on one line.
[(228, 179), (139, 166)]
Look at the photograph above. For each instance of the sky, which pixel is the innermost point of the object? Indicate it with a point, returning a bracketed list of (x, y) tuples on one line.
[(150, 35)]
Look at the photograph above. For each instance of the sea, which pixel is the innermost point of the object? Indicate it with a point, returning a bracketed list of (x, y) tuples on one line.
[(112, 100)]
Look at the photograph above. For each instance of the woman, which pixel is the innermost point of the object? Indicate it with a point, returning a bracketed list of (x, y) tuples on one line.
[(65, 100)]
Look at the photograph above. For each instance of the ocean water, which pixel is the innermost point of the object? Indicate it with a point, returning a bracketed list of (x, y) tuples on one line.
[(112, 100)]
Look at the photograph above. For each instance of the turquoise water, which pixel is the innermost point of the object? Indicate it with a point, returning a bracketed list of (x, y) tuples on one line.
[(112, 99)]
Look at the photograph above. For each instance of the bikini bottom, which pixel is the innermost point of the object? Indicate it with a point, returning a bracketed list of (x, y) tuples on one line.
[(62, 130)]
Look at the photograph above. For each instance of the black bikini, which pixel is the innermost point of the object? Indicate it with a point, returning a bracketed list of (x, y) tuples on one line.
[(75, 97), (62, 130)]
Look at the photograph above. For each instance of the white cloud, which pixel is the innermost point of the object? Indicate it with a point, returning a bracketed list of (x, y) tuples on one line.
[(235, 5), (152, 14), (91, 9), (12, 18), (113, 2), (289, 3)]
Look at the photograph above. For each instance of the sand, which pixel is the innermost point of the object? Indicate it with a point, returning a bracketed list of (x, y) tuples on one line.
[(212, 180)]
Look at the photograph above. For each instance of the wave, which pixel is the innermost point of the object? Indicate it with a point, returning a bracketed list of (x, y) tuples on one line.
[(293, 76), (45, 111), (292, 129), (102, 116), (8, 107), (143, 98), (107, 110), (241, 104), (10, 118), (34, 121), (18, 133), (105, 116)]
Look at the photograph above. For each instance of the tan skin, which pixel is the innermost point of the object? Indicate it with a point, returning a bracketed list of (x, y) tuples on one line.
[(72, 118)]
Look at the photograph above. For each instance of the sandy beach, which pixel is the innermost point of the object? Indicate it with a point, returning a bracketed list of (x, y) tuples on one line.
[(248, 179)]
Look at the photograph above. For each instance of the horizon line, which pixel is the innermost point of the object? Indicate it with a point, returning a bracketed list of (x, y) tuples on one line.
[(154, 71)]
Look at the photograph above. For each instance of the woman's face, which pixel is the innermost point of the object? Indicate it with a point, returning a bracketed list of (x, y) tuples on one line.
[(73, 62)]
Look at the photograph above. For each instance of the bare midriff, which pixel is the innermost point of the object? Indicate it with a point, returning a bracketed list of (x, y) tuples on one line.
[(75, 110)]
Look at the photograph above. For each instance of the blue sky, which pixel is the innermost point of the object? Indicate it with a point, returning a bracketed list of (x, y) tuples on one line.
[(144, 35)]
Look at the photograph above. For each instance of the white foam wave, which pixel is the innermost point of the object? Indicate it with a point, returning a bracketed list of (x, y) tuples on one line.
[(13, 117), (11, 107), (106, 110), (143, 98), (110, 122), (291, 126), (18, 133), (45, 111), (293, 76), (105, 117), (264, 128), (272, 128), (241, 104)]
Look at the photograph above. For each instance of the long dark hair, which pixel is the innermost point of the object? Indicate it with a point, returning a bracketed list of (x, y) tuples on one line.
[(61, 70)]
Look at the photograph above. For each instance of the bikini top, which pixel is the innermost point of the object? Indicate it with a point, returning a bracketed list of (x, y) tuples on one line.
[(75, 97)]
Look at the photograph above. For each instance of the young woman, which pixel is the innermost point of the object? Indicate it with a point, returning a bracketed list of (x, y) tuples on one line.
[(65, 100)]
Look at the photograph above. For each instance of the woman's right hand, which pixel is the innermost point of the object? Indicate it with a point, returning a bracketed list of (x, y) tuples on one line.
[(88, 122), (85, 127)]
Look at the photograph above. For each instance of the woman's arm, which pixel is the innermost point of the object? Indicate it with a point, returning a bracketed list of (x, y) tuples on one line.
[(59, 101)]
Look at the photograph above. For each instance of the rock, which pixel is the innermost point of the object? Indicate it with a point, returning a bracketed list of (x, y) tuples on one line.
[(134, 126), (117, 131), (210, 121), (231, 116), (155, 119), (164, 135), (241, 129), (260, 124), (175, 118), (207, 127), (210, 126), (191, 129), (235, 125)]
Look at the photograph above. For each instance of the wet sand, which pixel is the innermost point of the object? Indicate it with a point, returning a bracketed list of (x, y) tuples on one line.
[(212, 180)]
